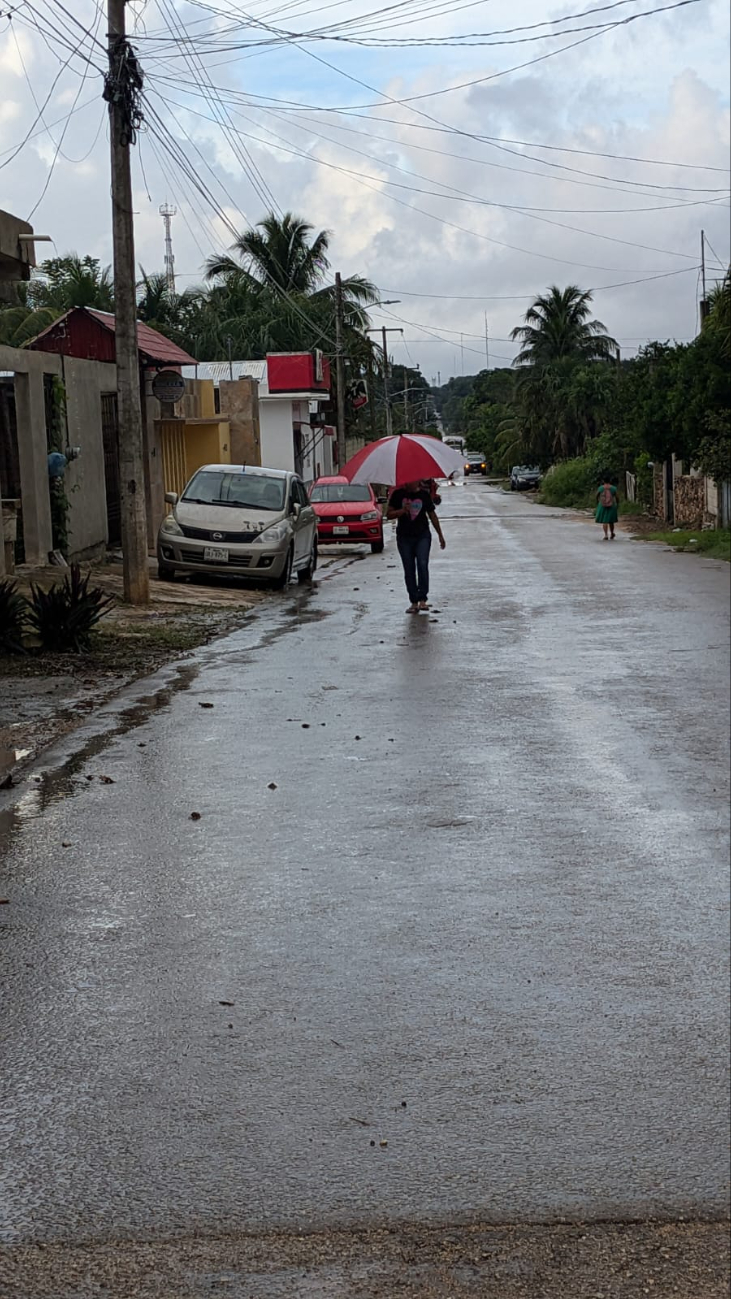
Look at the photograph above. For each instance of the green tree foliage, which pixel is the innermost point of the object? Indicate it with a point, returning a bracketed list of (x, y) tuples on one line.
[(557, 327), (56, 286), (271, 294)]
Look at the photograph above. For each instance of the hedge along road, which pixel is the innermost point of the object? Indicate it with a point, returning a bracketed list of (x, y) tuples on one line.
[(467, 961)]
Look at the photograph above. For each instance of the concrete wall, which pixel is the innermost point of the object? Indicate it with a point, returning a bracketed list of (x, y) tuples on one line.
[(277, 433), (239, 400), (85, 484), (152, 412), (16, 258), (29, 368), (199, 401), (85, 381)]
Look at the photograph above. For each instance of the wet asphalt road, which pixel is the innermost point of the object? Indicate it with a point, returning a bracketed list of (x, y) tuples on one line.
[(483, 918)]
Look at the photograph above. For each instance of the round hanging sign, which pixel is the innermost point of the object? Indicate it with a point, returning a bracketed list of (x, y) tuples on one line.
[(168, 386)]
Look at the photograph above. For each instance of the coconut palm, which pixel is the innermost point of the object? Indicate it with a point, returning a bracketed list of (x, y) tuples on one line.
[(557, 327), (279, 256), (173, 314), (61, 283)]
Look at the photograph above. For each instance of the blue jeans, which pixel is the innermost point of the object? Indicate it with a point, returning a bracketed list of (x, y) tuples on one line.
[(414, 552)]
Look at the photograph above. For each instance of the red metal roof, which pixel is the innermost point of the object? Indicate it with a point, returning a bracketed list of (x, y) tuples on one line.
[(153, 347), (150, 343)]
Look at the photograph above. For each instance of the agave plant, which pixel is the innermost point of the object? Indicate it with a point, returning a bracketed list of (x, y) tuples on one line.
[(65, 615), (14, 609)]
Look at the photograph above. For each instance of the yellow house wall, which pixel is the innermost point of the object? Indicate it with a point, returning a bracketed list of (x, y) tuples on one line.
[(206, 444)]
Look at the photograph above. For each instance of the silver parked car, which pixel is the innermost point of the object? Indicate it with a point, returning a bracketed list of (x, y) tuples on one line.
[(242, 522)]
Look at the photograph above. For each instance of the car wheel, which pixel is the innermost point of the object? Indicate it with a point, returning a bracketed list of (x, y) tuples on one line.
[(306, 574), (285, 577), (377, 547), (165, 574)]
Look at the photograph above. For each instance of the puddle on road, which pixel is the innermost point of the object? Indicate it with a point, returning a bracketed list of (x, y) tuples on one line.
[(47, 787)]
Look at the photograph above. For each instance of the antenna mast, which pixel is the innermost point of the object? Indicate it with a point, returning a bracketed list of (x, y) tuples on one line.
[(167, 212)]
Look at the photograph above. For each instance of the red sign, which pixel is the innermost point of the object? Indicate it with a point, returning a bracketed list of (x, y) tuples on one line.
[(297, 372)]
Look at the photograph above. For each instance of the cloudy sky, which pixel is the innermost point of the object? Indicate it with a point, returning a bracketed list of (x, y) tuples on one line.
[(461, 182)]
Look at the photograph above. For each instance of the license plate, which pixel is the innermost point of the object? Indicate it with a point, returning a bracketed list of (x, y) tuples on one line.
[(215, 555), (340, 532)]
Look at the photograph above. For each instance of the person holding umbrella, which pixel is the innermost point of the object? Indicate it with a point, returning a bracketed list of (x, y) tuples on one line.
[(413, 509), (406, 460)]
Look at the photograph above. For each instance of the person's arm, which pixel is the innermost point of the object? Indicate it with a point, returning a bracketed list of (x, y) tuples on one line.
[(396, 511), (393, 513), (434, 520)]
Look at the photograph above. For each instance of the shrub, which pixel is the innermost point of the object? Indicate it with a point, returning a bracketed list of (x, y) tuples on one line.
[(14, 610), (569, 484), (65, 615)]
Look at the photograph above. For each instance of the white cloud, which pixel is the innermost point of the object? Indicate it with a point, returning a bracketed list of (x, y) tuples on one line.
[(654, 89)]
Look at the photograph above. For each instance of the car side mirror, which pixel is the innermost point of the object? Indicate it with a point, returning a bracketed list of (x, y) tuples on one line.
[(295, 508), (171, 498)]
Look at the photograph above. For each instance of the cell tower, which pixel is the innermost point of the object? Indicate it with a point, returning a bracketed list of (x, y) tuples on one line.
[(167, 212)]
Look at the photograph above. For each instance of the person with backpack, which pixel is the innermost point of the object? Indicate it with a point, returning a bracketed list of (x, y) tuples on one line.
[(607, 512)]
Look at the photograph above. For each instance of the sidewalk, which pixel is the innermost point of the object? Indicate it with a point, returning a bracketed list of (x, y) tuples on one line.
[(43, 698)]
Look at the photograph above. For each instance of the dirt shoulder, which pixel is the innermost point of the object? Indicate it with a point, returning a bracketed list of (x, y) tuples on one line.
[(44, 696), (578, 1261)]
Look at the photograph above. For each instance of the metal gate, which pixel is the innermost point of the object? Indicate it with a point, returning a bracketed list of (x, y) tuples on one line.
[(172, 442), (110, 438)]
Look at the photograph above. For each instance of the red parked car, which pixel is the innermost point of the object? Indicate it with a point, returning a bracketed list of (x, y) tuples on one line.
[(347, 512)]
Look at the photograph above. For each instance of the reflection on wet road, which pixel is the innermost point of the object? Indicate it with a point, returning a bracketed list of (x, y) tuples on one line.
[(466, 959)]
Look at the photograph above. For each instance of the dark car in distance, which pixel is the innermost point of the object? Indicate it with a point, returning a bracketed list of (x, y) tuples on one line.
[(524, 478), (474, 463)]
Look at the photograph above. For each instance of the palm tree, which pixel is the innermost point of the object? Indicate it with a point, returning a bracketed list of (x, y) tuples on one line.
[(278, 251), (61, 283), (557, 327), (57, 285), (719, 315), (280, 257)]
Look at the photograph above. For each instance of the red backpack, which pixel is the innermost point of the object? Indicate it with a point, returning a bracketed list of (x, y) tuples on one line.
[(607, 498)]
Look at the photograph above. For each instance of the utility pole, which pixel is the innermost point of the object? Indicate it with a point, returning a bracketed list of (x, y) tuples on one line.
[(123, 85), (406, 402), (371, 395), (487, 345), (384, 344), (340, 370), (461, 348), (704, 298)]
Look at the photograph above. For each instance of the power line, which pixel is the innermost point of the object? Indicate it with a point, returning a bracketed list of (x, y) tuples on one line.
[(530, 252)]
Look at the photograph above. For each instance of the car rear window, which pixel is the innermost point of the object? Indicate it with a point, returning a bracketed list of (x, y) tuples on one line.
[(331, 493), (248, 491)]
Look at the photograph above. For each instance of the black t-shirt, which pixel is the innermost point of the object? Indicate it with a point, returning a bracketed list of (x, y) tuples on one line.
[(420, 506)]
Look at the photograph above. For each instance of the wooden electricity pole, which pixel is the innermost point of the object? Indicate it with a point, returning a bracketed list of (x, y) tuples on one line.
[(122, 87)]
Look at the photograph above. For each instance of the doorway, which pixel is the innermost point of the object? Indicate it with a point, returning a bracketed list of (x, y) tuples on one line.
[(110, 439), (9, 458)]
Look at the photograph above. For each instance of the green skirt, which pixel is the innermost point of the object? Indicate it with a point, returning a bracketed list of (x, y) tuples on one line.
[(606, 514)]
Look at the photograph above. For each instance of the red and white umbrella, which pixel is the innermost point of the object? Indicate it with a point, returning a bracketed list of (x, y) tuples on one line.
[(404, 458)]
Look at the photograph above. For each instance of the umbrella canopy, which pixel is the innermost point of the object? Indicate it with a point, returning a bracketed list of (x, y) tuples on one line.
[(404, 458)]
